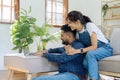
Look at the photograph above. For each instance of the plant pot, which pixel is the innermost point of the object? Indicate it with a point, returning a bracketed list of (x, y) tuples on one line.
[(26, 50), (44, 45)]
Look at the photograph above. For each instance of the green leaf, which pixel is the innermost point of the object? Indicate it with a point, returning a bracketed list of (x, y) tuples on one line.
[(31, 34), (31, 20), (16, 35), (29, 40), (25, 44), (25, 29), (13, 31), (16, 41), (23, 18), (30, 9), (24, 12), (15, 48), (38, 31)]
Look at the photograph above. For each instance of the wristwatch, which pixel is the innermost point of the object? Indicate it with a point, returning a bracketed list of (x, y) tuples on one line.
[(81, 50), (43, 54)]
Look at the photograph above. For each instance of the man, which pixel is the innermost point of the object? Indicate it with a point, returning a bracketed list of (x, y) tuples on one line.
[(70, 66)]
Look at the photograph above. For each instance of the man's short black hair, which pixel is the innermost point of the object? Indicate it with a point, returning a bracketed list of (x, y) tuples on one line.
[(66, 28)]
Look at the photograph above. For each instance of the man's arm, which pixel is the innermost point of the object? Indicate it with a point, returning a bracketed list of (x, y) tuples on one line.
[(62, 58), (56, 50)]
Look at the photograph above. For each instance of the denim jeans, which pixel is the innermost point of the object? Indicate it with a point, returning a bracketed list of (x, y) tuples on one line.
[(60, 76), (90, 61)]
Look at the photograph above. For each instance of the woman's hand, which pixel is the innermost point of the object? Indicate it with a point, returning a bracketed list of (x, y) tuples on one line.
[(70, 50)]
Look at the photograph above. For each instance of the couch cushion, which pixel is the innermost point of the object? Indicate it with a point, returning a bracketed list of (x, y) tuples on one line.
[(111, 64), (115, 40)]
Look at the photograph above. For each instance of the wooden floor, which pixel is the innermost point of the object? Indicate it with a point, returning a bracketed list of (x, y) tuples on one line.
[(22, 76), (3, 74)]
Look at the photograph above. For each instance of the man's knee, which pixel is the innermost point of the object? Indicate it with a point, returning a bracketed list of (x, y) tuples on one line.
[(41, 78)]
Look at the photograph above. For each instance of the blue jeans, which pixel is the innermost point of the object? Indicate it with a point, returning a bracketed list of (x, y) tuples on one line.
[(60, 76), (90, 61)]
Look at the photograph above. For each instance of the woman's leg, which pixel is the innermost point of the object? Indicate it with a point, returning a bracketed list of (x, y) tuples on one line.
[(90, 61), (61, 76)]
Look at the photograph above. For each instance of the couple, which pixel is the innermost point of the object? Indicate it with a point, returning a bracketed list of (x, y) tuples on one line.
[(71, 57)]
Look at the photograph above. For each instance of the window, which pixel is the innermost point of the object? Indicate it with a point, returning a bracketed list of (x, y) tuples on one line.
[(56, 11), (8, 10)]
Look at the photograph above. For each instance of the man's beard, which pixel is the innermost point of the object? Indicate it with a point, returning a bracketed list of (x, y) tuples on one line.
[(66, 42)]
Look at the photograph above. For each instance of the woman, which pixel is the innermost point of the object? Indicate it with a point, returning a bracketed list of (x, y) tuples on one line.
[(96, 45)]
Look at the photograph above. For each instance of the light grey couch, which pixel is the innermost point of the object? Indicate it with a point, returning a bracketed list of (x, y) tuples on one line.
[(111, 65)]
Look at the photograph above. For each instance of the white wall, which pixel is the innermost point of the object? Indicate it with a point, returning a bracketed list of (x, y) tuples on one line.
[(5, 43), (38, 9), (94, 11), (88, 7), (79, 5)]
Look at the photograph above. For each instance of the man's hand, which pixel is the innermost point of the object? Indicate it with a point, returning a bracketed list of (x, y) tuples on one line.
[(40, 52)]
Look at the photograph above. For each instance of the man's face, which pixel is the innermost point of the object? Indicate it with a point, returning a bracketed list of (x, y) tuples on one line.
[(64, 38)]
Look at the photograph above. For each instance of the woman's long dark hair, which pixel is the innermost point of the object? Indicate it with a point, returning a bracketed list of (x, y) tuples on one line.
[(76, 15)]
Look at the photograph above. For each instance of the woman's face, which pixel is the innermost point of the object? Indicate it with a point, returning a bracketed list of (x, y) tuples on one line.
[(73, 25)]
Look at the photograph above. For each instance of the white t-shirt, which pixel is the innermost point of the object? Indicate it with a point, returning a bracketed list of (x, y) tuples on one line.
[(91, 27)]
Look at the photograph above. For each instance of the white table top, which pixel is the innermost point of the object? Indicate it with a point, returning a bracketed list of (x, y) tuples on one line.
[(33, 64), (22, 55)]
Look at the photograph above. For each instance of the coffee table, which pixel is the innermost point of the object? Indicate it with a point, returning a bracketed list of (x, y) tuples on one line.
[(27, 64)]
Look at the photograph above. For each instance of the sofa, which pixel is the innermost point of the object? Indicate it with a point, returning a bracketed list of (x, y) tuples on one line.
[(111, 65)]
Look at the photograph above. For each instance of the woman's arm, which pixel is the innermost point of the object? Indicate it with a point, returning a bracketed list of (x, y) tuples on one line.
[(70, 50), (93, 43)]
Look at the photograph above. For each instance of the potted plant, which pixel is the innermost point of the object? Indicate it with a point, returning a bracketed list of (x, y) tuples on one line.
[(105, 9), (21, 31), (45, 36)]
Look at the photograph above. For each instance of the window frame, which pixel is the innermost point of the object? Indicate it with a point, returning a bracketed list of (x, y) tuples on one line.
[(16, 12), (65, 12)]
